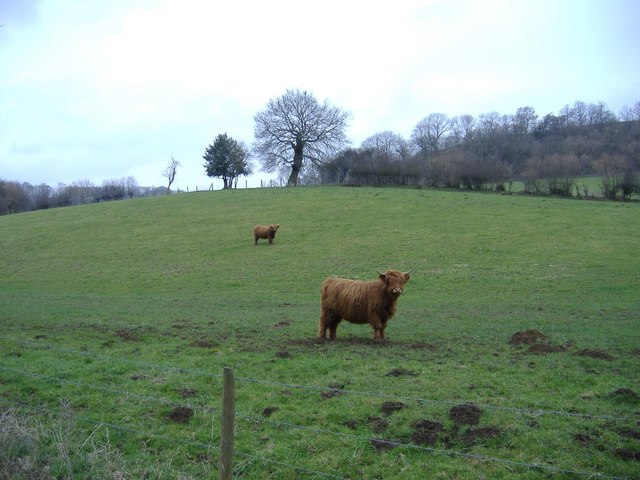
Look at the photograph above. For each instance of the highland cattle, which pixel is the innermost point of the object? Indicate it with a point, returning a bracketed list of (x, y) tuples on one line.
[(373, 302)]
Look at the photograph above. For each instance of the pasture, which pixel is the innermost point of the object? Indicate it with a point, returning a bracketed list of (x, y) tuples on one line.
[(118, 318)]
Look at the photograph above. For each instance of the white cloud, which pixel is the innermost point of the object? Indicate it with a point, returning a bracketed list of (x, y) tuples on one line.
[(106, 89)]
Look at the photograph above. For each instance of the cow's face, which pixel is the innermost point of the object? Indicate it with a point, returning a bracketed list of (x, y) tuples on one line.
[(394, 281), (273, 228)]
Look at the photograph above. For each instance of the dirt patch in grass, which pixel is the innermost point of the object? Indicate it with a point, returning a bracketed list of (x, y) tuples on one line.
[(389, 407), (282, 323), (180, 414), (331, 393), (630, 433), (628, 454), (267, 412), (625, 395), (544, 348), (465, 414), (378, 424), (475, 435), (533, 338), (382, 445), (127, 336), (584, 439), (528, 337), (401, 372), (187, 392), (201, 344), (599, 354), (356, 341), (426, 432)]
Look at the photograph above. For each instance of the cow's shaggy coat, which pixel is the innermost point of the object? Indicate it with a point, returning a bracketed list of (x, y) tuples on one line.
[(372, 302), (267, 232)]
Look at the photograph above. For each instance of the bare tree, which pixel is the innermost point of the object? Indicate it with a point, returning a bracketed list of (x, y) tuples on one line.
[(170, 172), (295, 128), (632, 113), (428, 134), (388, 143)]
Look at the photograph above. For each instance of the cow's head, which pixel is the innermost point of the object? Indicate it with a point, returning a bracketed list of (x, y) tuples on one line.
[(394, 281), (273, 228)]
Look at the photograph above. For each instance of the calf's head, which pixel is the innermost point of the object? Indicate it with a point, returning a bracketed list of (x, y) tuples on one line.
[(273, 228), (394, 281)]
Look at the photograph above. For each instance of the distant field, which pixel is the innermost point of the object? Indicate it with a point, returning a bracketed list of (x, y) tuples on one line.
[(118, 318)]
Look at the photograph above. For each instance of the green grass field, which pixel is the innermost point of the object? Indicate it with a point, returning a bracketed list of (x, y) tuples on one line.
[(118, 319)]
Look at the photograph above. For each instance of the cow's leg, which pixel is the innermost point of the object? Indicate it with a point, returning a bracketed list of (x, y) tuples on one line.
[(378, 328), (333, 327), (384, 325), (329, 320), (256, 241)]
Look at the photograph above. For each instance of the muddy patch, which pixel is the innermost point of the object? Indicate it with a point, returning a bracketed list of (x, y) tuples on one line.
[(334, 392), (202, 344), (465, 414), (625, 395), (599, 354), (628, 454), (382, 445), (544, 349), (426, 432), (187, 392), (401, 372), (283, 354), (357, 341), (390, 407), (283, 323), (180, 415), (475, 435), (127, 336), (267, 412), (528, 337)]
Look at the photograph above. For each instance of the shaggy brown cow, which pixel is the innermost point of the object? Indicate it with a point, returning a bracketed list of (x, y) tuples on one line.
[(356, 301), (266, 232)]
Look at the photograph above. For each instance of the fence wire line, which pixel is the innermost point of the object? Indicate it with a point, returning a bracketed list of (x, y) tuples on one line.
[(437, 451), (47, 346), (316, 430), (124, 393), (204, 446), (517, 410), (282, 424)]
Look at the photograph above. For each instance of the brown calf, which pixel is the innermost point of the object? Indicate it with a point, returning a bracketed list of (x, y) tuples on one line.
[(266, 232), (357, 301)]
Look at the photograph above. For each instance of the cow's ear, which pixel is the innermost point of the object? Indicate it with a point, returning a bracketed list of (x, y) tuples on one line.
[(407, 275), (382, 276)]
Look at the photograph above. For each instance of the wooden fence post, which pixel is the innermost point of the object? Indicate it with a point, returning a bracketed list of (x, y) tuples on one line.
[(228, 417)]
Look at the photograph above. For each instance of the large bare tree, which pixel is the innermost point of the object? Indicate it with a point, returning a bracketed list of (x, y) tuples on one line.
[(296, 128)]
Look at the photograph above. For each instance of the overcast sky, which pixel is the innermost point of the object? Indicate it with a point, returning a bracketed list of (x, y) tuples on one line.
[(107, 89)]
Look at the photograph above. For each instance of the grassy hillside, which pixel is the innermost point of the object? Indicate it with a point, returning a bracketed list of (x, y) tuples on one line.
[(121, 311)]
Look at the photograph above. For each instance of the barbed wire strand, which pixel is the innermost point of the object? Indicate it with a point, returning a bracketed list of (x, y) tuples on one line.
[(518, 410), (204, 446), (125, 393), (47, 346), (282, 424), (473, 456)]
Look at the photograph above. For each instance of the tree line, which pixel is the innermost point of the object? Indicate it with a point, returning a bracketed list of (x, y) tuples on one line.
[(492, 151), (18, 197), (304, 140)]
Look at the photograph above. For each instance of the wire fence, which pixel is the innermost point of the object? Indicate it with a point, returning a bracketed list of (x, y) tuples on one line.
[(213, 441)]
